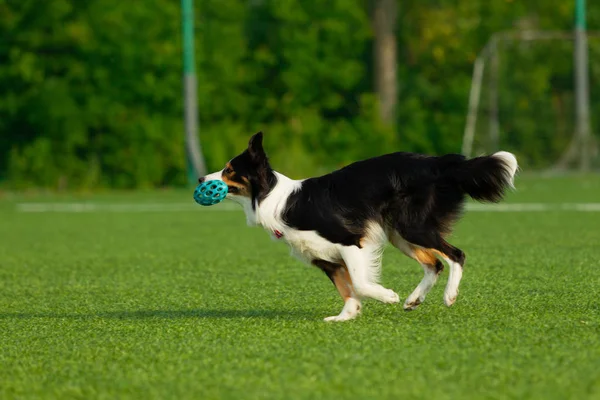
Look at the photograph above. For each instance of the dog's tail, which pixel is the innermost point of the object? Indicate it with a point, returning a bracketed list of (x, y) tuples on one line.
[(483, 178)]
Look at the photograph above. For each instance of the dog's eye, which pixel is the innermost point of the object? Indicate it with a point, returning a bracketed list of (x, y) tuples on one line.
[(227, 170)]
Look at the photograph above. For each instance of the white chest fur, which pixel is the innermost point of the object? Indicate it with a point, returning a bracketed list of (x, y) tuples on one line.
[(309, 245), (305, 245)]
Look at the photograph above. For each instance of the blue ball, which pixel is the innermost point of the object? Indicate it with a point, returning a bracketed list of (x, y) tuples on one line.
[(210, 192)]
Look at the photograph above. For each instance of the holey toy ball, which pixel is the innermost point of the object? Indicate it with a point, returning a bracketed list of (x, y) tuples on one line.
[(210, 193)]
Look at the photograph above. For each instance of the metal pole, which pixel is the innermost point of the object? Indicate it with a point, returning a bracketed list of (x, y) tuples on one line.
[(195, 161), (494, 123), (469, 134), (582, 90)]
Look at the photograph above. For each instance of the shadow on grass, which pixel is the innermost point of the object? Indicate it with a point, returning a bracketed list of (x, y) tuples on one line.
[(169, 314)]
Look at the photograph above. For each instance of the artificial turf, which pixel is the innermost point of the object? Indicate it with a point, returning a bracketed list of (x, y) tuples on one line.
[(193, 304)]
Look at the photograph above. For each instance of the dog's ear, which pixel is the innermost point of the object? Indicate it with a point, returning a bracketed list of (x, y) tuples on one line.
[(263, 179), (255, 147)]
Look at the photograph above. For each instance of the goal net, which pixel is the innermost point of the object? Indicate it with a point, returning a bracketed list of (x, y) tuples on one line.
[(525, 102)]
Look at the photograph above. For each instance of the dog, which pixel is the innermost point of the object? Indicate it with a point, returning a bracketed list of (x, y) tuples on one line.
[(340, 222)]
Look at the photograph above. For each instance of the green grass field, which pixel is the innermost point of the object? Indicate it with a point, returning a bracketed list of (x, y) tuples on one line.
[(190, 303)]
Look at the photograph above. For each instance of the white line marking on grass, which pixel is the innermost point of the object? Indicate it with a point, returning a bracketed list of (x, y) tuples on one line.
[(514, 207), (534, 207), (189, 207), (118, 207), (584, 206)]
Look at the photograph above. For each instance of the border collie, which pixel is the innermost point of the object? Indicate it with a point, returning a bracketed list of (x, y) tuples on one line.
[(340, 222)]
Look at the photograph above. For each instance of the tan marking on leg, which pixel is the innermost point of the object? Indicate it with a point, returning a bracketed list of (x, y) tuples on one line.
[(424, 256), (339, 275), (343, 282), (439, 253), (432, 269)]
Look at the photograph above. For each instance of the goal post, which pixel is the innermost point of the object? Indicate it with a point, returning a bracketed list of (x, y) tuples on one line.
[(497, 82), (196, 165)]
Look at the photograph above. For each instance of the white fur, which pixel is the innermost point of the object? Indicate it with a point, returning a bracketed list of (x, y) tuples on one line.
[(215, 176), (374, 242), (359, 261), (418, 295), (350, 311), (510, 162), (246, 204), (454, 278), (309, 245), (268, 212)]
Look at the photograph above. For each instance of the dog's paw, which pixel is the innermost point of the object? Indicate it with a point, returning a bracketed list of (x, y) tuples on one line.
[(390, 297), (350, 311), (449, 299), (339, 318), (411, 304)]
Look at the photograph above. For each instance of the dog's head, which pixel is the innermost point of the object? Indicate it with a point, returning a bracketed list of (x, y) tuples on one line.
[(248, 176)]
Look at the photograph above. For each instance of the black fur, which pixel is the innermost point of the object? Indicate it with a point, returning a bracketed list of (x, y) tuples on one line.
[(418, 196), (253, 165)]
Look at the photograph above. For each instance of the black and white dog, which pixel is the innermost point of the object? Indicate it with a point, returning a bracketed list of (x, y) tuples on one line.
[(340, 222)]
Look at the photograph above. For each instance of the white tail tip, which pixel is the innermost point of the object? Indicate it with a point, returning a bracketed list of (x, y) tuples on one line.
[(510, 162)]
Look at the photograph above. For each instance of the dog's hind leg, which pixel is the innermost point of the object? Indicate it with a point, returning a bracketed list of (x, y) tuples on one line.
[(432, 268), (455, 257), (338, 273), (456, 260)]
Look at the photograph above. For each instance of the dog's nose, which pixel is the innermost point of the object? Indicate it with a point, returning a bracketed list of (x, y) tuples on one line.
[(201, 180)]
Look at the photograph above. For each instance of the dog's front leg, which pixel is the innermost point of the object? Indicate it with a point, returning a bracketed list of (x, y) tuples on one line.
[(359, 261), (338, 273)]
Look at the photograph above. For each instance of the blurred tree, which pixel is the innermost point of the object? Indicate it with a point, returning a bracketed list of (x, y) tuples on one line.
[(386, 59), (92, 91)]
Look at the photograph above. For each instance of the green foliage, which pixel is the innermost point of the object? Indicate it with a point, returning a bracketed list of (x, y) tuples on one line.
[(92, 90), (89, 94)]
